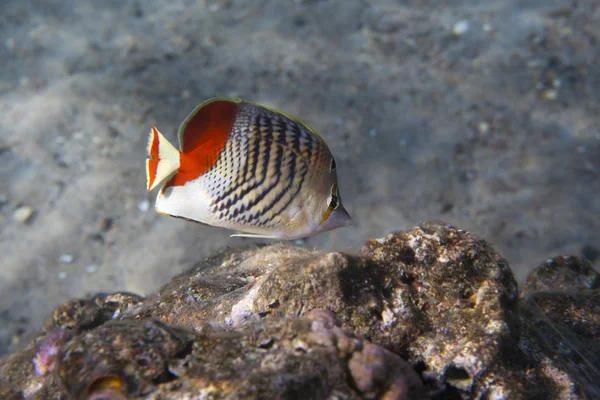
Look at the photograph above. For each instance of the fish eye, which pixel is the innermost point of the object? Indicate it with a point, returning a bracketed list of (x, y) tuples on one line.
[(332, 166)]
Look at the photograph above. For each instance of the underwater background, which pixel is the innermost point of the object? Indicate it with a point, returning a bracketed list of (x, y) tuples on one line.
[(482, 114)]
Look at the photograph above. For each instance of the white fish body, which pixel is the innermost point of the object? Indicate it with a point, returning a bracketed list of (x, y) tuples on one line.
[(246, 167)]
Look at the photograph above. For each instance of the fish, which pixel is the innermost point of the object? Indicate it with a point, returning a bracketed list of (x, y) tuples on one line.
[(242, 166)]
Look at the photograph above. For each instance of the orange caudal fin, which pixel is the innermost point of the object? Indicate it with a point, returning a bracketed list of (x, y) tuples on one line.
[(163, 161)]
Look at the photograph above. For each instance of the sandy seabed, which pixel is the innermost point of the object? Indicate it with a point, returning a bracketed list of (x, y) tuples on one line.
[(482, 114)]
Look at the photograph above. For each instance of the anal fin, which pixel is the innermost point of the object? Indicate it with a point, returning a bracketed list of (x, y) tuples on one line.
[(255, 236)]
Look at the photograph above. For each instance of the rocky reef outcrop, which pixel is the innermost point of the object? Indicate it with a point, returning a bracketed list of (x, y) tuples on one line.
[(433, 312)]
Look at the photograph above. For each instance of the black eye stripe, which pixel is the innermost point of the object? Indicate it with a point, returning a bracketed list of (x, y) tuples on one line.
[(332, 167), (333, 203)]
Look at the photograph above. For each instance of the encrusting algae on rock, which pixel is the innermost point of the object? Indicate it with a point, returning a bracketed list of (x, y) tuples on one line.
[(432, 312), (45, 359)]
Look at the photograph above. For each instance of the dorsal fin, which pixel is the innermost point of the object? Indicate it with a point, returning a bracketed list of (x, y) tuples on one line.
[(202, 138), (210, 120), (293, 118)]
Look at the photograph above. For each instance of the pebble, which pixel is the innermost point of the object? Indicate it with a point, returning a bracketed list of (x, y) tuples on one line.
[(91, 269), (66, 258), (550, 94), (556, 82), (143, 206), (62, 275), (461, 27), (23, 214), (483, 128), (78, 135)]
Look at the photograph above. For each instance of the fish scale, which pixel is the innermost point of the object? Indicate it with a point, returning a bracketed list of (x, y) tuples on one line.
[(247, 167), (261, 183)]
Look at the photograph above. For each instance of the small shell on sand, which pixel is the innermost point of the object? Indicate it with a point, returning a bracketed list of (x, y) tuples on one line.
[(143, 206), (23, 214), (461, 27), (66, 258)]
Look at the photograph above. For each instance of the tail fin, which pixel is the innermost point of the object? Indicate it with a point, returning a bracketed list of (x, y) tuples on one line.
[(164, 159)]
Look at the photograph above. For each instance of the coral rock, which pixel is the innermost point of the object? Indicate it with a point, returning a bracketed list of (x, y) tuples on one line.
[(560, 308), (433, 311)]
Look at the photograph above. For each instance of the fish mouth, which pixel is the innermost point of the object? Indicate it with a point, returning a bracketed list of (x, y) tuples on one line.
[(339, 218), (347, 219)]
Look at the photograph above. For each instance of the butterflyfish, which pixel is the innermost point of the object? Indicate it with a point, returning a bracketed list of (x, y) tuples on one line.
[(249, 168)]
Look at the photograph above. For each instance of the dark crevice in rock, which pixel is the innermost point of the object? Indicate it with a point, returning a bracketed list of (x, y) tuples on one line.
[(458, 377), (166, 377), (358, 279), (310, 387), (406, 278), (449, 393), (185, 351)]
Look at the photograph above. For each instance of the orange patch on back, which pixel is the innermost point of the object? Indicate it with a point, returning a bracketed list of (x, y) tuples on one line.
[(202, 139)]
